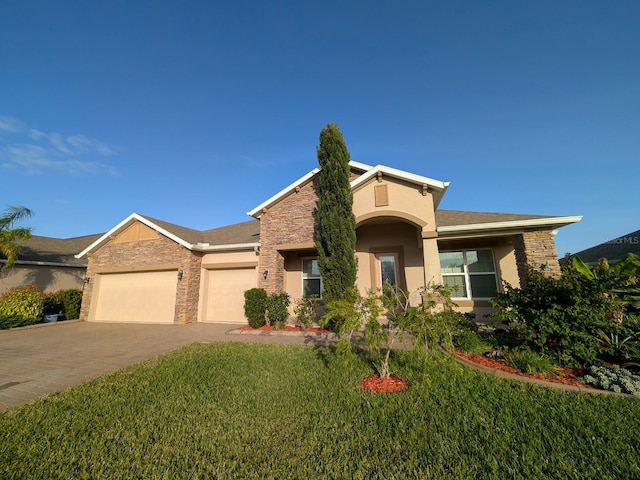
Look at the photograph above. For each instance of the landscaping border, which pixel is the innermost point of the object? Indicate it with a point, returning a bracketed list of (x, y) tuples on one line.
[(511, 376)]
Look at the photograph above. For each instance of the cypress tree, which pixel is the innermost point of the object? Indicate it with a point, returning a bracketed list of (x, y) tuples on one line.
[(336, 231)]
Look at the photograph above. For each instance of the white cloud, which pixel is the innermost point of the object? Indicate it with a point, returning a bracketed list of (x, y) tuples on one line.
[(36, 160), (36, 134), (58, 143), (11, 125), (83, 144), (43, 152)]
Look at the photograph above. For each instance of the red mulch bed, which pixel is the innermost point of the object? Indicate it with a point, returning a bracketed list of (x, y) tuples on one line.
[(288, 328), (390, 384), (565, 375)]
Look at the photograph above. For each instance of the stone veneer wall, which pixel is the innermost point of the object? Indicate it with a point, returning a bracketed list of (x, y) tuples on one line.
[(536, 248), (149, 253), (292, 220)]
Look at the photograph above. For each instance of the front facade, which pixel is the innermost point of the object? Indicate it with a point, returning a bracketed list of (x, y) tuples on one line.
[(146, 270)]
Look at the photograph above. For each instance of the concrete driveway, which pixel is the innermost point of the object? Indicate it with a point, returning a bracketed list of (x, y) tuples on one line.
[(50, 358)]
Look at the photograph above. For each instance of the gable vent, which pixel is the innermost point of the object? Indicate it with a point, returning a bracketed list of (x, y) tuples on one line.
[(381, 195)]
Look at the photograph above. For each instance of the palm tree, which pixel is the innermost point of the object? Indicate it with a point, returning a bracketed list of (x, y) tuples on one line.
[(10, 234)]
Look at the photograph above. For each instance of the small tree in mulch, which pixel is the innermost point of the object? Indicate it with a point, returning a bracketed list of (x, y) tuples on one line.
[(387, 320)]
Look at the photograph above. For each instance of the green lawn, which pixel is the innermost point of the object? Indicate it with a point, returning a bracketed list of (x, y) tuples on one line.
[(282, 411)]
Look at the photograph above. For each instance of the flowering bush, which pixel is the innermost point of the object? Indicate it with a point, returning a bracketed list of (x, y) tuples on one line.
[(24, 303)]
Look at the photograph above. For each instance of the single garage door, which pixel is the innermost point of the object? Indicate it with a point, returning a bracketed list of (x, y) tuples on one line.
[(140, 297), (225, 294)]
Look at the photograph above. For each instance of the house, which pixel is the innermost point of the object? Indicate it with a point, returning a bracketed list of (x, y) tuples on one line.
[(49, 263), (147, 270), (613, 250)]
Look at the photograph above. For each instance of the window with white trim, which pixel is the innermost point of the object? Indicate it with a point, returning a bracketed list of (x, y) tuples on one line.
[(471, 273), (311, 279), (388, 268)]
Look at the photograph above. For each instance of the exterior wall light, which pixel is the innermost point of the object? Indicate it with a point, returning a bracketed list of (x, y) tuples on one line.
[(180, 274), (265, 274)]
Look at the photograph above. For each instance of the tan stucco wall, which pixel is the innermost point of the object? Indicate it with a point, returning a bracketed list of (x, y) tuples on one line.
[(229, 257), (392, 237), (404, 199), (46, 278)]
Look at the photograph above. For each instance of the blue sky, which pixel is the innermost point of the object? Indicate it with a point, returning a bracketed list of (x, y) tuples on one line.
[(194, 112)]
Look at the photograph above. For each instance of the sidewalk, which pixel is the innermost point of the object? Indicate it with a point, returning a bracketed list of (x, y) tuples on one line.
[(49, 358)]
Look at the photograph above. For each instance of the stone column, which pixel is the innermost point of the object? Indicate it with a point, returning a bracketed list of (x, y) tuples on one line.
[(536, 248)]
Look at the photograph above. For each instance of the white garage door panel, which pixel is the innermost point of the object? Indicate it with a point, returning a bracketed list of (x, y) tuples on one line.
[(145, 297), (225, 295)]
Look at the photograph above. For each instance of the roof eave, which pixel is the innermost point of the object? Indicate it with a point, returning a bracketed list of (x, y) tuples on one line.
[(256, 212), (201, 247), (46, 264), (551, 222)]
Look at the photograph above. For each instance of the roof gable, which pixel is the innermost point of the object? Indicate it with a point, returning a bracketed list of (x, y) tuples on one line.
[(368, 172), (241, 235)]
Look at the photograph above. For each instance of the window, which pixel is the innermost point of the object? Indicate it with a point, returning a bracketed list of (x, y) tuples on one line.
[(387, 269), (471, 273), (311, 280)]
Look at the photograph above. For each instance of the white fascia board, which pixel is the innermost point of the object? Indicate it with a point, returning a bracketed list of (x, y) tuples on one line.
[(285, 191), (256, 211), (401, 174), (360, 166), (199, 247), (128, 221), (510, 225)]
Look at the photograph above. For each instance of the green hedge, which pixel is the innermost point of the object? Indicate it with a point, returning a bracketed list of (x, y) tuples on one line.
[(28, 305), (24, 303)]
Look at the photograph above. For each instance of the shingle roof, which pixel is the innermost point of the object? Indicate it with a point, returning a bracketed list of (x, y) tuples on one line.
[(245, 232), (448, 218), (55, 250), (188, 234), (613, 250)]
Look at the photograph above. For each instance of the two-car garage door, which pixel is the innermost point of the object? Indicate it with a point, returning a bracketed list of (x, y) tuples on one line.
[(150, 297), (140, 297)]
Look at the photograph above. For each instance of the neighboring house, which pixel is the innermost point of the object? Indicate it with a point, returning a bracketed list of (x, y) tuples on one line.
[(48, 263), (147, 270), (613, 250)]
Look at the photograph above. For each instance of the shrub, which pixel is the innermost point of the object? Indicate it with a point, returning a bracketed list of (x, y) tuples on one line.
[(561, 317), (469, 342), (255, 306), (615, 379), (278, 309), (14, 322), (25, 303), (71, 302), (530, 362), (53, 303), (305, 311), (436, 322)]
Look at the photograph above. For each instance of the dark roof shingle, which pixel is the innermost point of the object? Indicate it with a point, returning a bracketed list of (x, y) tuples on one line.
[(450, 218)]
